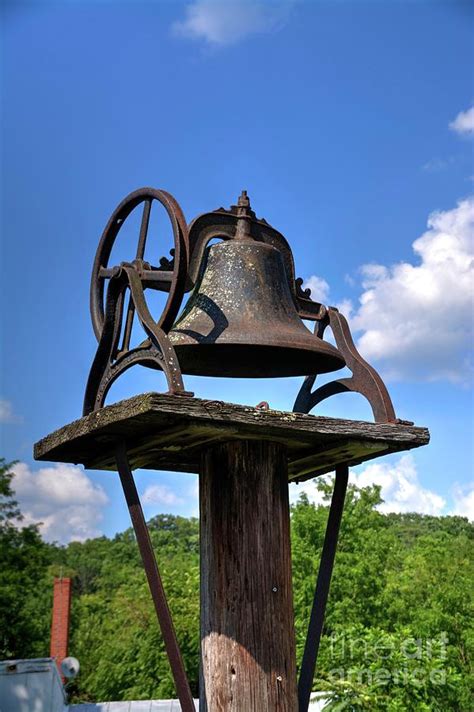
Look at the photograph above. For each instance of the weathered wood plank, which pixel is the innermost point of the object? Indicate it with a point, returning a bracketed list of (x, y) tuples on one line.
[(247, 625), (326, 459), (169, 433)]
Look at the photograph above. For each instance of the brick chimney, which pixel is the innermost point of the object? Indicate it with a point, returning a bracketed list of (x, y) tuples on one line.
[(60, 620)]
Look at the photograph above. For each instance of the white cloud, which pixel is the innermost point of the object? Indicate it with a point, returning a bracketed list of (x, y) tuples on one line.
[(63, 498), (463, 124), (226, 22), (436, 165), (320, 292), (346, 307), (161, 494), (7, 414), (401, 488), (463, 497), (319, 288), (309, 488), (417, 319)]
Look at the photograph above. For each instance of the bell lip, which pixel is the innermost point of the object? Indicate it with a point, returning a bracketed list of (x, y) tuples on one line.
[(243, 360)]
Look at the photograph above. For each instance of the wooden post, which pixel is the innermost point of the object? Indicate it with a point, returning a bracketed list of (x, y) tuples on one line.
[(247, 629)]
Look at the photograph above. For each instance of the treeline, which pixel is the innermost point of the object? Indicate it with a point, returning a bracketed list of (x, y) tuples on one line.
[(398, 630)]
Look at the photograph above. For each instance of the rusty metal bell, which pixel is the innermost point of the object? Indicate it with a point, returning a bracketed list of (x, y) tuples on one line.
[(241, 320)]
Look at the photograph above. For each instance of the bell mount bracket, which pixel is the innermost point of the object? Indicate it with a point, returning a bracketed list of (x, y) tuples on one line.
[(177, 276), (364, 380)]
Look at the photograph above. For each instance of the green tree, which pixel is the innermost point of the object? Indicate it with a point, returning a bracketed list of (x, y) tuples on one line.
[(9, 511), (115, 633), (398, 632), (399, 581), (24, 558)]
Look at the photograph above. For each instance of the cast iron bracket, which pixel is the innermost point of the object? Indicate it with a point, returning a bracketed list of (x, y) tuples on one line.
[(110, 362), (365, 379)]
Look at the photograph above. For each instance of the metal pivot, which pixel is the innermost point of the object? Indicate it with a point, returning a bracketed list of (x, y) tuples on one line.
[(154, 580), (365, 379), (326, 566)]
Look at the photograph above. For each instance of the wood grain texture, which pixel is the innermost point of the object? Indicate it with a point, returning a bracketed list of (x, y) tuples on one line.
[(165, 432), (247, 631)]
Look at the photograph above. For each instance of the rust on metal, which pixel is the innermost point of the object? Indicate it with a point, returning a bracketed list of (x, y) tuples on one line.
[(243, 317), (321, 593), (114, 355), (364, 380), (154, 580)]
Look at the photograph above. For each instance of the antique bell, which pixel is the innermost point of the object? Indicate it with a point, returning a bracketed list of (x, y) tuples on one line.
[(241, 319)]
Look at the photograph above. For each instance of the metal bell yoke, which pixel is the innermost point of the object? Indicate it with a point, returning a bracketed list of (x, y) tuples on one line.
[(243, 316)]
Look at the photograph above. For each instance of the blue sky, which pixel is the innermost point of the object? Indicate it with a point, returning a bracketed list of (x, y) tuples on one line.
[(349, 123)]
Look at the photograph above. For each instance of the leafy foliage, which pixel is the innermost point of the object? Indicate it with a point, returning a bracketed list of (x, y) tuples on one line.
[(398, 632), (398, 629), (24, 593)]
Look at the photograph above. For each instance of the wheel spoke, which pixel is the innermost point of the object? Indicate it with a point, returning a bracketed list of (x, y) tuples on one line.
[(144, 229)]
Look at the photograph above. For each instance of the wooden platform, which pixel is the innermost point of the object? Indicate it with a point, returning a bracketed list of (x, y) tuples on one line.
[(166, 432)]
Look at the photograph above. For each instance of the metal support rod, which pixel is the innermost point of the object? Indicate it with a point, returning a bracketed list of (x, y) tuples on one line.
[(154, 580), (326, 565)]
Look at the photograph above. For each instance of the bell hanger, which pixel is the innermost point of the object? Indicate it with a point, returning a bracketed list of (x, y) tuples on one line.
[(243, 316)]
